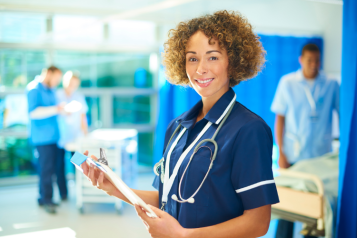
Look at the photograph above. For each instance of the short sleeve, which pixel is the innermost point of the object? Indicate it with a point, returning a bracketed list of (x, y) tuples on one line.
[(168, 134), (252, 175), (279, 105), (156, 182), (32, 99)]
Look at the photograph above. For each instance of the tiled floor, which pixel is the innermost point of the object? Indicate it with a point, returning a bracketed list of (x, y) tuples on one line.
[(19, 213)]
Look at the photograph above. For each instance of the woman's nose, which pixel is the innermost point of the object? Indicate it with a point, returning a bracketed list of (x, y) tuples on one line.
[(201, 68)]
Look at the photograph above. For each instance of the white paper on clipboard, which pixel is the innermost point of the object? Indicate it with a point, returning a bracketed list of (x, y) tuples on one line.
[(118, 183)]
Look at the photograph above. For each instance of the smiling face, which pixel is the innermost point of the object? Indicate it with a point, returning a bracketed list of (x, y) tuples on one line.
[(72, 85), (207, 66)]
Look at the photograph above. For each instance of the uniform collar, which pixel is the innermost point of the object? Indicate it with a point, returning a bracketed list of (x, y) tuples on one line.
[(43, 86), (214, 115), (299, 76)]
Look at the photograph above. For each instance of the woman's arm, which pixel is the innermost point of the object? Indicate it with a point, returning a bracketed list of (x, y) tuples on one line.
[(253, 223), (98, 179), (84, 124)]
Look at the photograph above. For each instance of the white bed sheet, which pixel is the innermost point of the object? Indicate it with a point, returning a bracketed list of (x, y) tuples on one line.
[(326, 168)]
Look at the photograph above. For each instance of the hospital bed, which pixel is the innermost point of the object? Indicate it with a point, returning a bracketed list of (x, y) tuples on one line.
[(308, 194), (301, 206)]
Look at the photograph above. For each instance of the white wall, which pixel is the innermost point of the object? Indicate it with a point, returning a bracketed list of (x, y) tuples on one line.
[(283, 17)]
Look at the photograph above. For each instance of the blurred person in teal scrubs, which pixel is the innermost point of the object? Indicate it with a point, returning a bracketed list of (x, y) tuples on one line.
[(303, 104), (44, 133), (73, 125)]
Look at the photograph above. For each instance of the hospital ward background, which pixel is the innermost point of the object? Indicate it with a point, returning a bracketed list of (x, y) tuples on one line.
[(114, 89)]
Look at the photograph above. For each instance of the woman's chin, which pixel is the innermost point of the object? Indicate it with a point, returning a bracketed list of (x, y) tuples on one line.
[(204, 92)]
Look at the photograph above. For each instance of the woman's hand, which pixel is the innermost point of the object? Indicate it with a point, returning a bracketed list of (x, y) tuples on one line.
[(163, 226), (97, 178)]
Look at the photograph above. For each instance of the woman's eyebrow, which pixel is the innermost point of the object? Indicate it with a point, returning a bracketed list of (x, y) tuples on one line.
[(208, 52), (211, 51)]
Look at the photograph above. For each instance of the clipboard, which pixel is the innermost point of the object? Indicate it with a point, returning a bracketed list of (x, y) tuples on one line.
[(79, 158)]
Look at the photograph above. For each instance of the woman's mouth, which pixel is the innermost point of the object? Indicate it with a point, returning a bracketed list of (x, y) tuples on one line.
[(204, 82)]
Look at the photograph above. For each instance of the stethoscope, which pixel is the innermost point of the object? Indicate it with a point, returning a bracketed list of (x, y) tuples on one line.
[(163, 165)]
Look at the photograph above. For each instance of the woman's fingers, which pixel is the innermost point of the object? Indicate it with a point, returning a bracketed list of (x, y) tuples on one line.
[(92, 175), (84, 165), (89, 172), (85, 168), (94, 158), (95, 176), (140, 212), (100, 181)]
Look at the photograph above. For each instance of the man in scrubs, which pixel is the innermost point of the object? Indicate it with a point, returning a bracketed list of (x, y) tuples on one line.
[(303, 104), (44, 133)]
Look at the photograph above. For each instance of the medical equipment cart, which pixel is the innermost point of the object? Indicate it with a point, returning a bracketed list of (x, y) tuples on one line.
[(120, 146)]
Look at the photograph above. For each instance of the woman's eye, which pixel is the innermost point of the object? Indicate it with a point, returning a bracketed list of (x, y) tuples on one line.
[(192, 59), (213, 58)]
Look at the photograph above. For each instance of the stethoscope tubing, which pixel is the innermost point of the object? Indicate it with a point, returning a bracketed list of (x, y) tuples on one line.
[(197, 147)]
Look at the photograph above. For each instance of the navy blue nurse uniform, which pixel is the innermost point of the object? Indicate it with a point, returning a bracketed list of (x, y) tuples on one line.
[(241, 177)]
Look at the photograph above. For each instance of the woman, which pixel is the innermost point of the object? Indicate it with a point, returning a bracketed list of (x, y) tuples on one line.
[(233, 198), (72, 124)]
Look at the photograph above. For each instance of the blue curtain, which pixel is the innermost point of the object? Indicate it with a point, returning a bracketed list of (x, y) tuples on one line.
[(282, 58), (347, 199), (256, 94), (173, 101)]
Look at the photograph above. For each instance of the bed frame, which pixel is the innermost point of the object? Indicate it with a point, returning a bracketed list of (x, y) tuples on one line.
[(304, 207)]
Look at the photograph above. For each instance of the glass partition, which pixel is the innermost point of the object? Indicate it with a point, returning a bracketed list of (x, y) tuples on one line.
[(131, 110), (118, 88)]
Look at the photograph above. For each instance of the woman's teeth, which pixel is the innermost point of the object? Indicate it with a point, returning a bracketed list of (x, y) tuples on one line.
[(204, 81)]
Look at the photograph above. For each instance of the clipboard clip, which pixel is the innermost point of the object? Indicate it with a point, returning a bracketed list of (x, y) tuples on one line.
[(103, 157)]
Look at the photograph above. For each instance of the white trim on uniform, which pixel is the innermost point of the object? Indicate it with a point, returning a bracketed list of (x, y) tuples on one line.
[(227, 108), (255, 185)]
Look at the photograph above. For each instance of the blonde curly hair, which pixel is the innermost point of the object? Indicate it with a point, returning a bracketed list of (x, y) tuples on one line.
[(246, 55)]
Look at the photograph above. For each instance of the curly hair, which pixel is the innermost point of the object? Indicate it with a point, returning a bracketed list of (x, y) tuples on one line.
[(246, 55)]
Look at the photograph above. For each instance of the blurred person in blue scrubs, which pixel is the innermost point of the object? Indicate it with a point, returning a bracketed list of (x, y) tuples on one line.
[(75, 124), (44, 133), (304, 104), (200, 194)]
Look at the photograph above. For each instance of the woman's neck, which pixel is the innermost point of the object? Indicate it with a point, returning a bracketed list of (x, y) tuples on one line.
[(208, 103), (67, 92)]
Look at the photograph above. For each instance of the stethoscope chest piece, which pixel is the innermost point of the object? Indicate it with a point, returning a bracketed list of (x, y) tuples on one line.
[(159, 169), (169, 180)]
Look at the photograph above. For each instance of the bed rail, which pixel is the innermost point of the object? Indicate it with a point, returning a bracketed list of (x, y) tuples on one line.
[(299, 202)]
